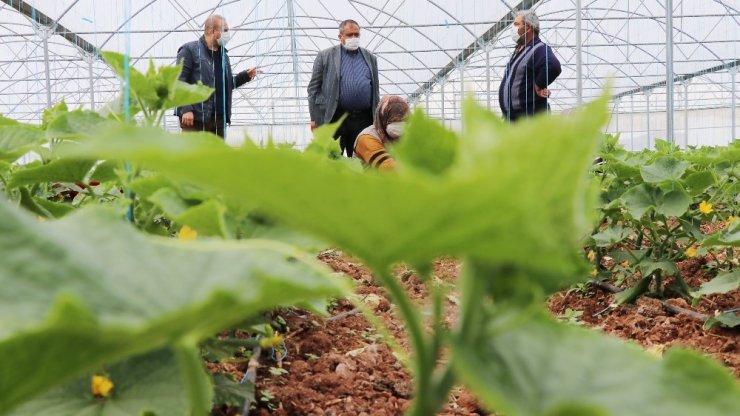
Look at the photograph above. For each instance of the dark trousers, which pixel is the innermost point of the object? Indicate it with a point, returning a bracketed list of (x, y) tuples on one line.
[(355, 122), (213, 124)]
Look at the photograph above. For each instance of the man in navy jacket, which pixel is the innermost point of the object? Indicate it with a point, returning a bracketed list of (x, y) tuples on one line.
[(206, 60), (533, 66)]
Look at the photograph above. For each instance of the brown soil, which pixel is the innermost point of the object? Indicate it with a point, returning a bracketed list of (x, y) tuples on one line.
[(652, 326), (343, 367)]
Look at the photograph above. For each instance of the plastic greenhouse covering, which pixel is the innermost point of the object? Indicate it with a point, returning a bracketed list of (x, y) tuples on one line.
[(672, 64)]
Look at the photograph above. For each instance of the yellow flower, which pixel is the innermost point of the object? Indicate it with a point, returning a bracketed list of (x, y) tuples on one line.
[(591, 256), (187, 234), (272, 341), (101, 386), (594, 273), (690, 252), (705, 207), (730, 220), (625, 264)]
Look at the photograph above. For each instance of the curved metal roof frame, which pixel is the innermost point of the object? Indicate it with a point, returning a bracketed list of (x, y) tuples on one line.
[(403, 65)]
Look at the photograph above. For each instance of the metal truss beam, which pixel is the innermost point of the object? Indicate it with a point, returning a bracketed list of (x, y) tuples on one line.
[(42, 19), (679, 79), (474, 47)]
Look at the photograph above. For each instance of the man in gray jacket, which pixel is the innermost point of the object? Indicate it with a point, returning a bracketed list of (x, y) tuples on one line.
[(206, 60), (344, 80)]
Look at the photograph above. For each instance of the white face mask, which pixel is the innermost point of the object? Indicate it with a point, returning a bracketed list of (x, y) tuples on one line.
[(224, 39), (352, 44), (518, 39), (395, 130)]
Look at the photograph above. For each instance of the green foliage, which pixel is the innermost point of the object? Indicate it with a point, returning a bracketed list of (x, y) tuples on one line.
[(229, 392), (158, 89), (466, 227), (654, 202), (95, 289), (514, 201), (536, 367), (428, 146), (17, 139), (135, 382), (63, 170), (723, 283), (727, 319)]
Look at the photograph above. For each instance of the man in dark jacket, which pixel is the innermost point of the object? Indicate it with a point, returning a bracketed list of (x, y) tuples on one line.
[(206, 60), (533, 66)]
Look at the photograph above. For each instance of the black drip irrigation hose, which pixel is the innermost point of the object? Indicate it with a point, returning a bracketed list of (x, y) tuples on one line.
[(667, 306)]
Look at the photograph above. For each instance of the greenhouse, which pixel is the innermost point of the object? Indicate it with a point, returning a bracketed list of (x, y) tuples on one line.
[(394, 207), (433, 53)]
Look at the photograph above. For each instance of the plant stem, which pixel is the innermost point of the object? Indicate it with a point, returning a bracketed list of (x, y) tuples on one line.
[(422, 363), (197, 382)]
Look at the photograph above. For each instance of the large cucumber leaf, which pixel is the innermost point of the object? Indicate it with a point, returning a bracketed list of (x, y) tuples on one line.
[(514, 192), (90, 289), (151, 382), (538, 367)]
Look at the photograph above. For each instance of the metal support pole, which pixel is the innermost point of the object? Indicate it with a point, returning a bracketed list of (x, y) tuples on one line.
[(686, 114), (632, 122), (294, 53), (427, 101), (669, 70), (45, 33), (461, 68), (733, 72), (647, 111), (90, 60), (488, 77), (616, 115), (579, 52), (442, 88)]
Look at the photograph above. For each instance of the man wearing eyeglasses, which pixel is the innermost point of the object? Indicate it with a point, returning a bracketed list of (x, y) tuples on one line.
[(344, 81)]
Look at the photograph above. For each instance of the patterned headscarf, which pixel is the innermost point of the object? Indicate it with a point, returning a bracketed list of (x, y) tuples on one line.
[(391, 109)]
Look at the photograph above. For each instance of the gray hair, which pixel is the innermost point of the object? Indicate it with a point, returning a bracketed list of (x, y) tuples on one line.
[(530, 18), (211, 21), (346, 23)]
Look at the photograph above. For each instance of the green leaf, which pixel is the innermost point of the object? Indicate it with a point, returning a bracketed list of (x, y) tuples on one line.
[(89, 289), (185, 94), (730, 236), (170, 202), (50, 114), (426, 145), (76, 124), (726, 319), (62, 170), (641, 198), (146, 186), (106, 171), (138, 82), (4, 121), (206, 218), (611, 236), (664, 169), (231, 393), (540, 367), (698, 182), (478, 209), (56, 209), (150, 382), (723, 283), (323, 143), (17, 140), (648, 267)]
